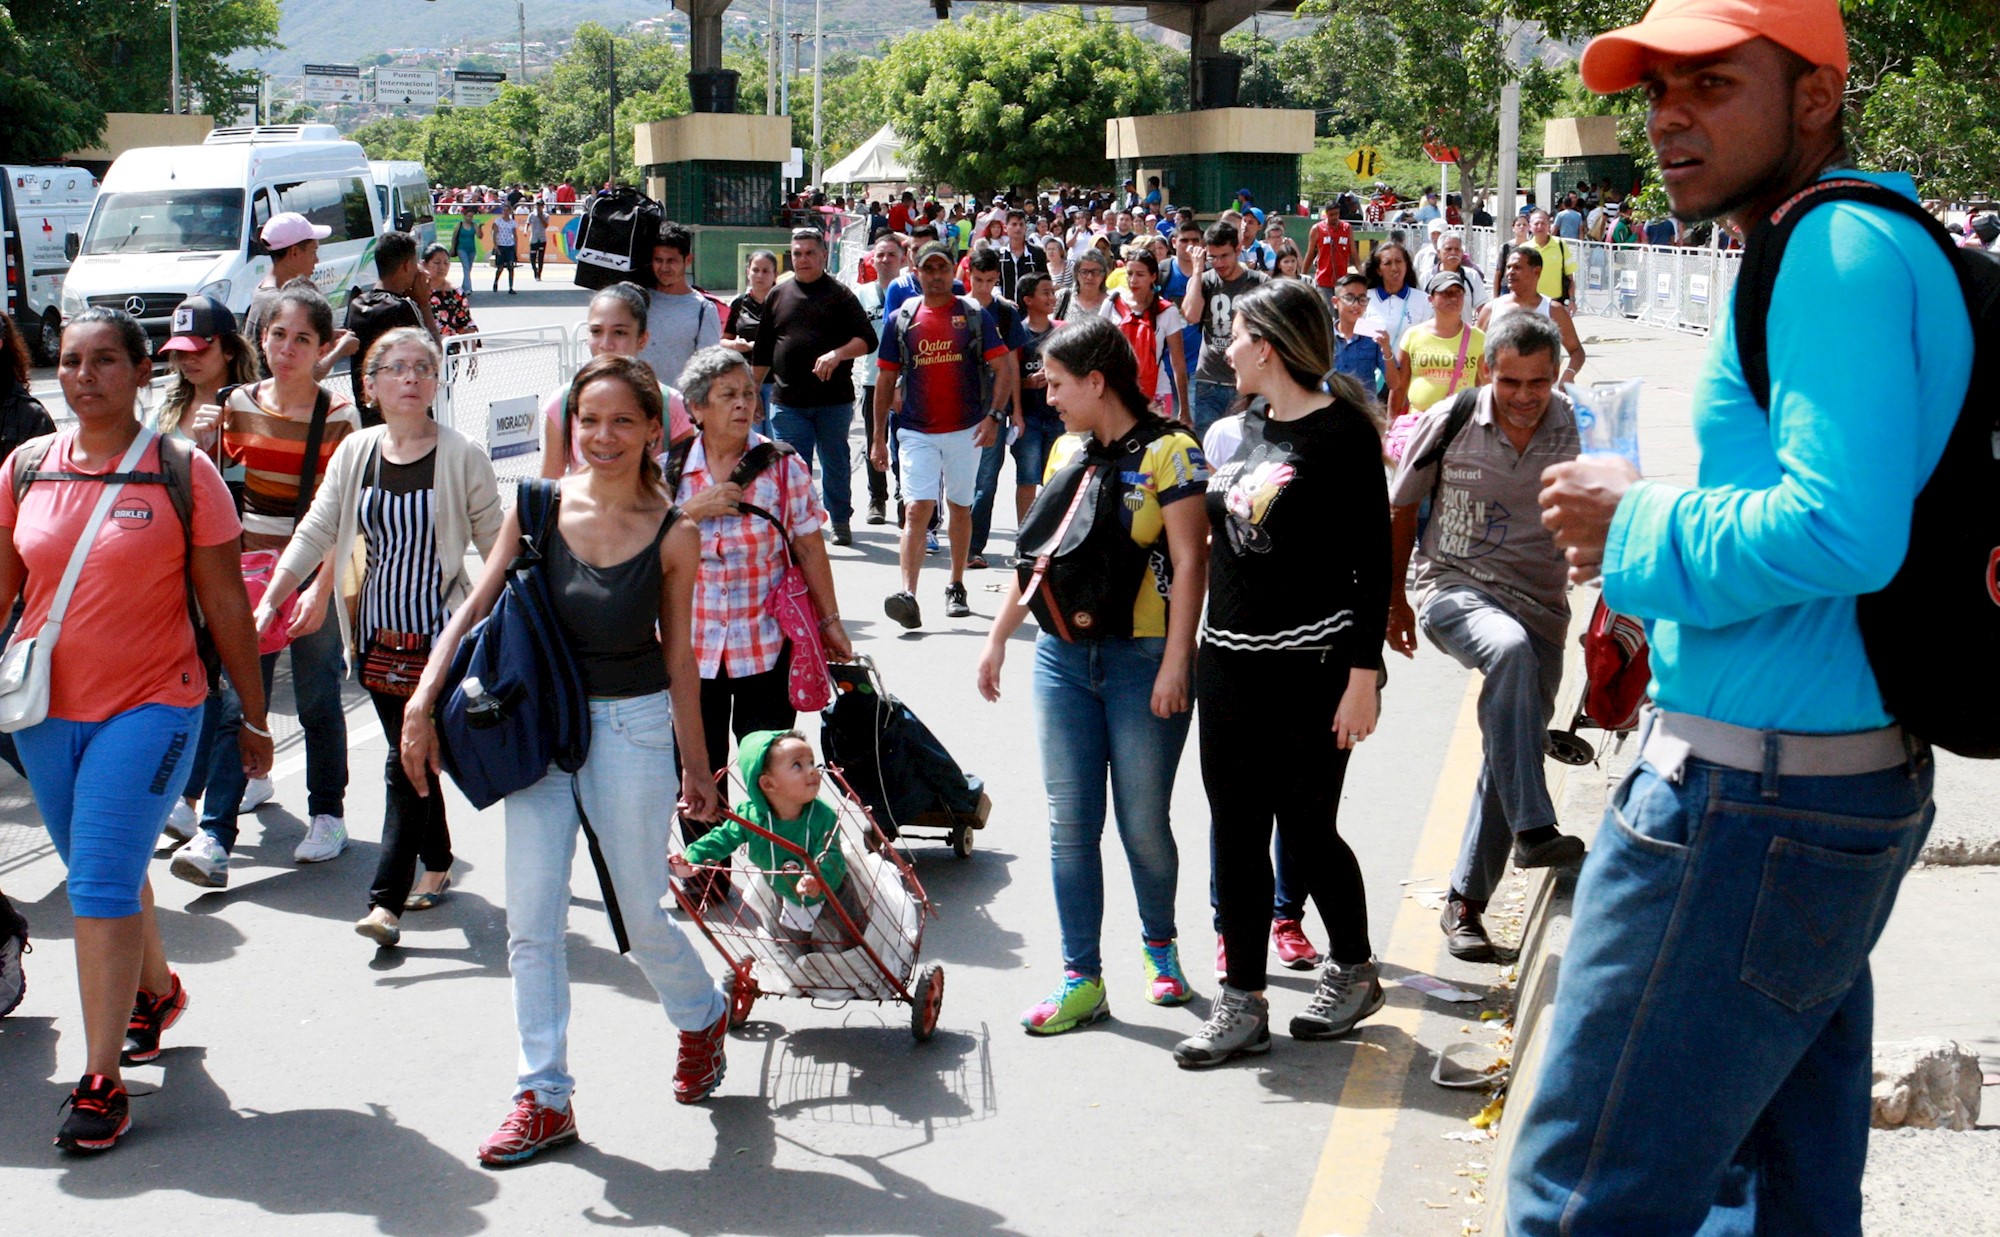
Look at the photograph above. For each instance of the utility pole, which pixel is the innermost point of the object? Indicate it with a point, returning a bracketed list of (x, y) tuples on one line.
[(611, 59), (1510, 139), (521, 12), (778, 58), (771, 63), (174, 38), (819, 57)]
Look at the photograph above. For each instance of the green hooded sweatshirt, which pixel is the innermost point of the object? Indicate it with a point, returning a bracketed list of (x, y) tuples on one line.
[(817, 832)]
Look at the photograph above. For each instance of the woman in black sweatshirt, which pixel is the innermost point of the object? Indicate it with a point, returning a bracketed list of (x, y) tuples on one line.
[(1288, 676)]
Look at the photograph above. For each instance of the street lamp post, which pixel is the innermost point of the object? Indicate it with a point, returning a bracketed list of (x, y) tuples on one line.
[(521, 12), (174, 39), (819, 55)]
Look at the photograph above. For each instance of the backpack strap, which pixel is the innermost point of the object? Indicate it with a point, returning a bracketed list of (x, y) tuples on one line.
[(1456, 416), (536, 501), (676, 464), (28, 459), (309, 467), (1764, 250), (177, 473)]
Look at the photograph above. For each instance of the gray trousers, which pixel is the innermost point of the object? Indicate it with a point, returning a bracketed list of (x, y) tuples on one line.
[(1522, 673)]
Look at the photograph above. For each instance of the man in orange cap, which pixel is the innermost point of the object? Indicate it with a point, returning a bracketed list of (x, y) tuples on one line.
[(1709, 1052)]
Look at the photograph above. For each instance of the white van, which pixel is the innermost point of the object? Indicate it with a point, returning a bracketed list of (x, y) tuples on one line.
[(404, 197), (174, 221), (40, 209)]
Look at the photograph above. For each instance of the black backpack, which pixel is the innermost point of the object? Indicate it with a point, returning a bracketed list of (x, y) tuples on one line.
[(616, 238), (371, 314), (1949, 584), (1079, 568)]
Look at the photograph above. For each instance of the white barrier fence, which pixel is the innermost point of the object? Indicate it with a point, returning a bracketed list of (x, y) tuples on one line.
[(495, 385), (1676, 287)]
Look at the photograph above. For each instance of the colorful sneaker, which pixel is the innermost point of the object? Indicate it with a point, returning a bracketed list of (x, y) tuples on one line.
[(1239, 1025), (181, 820), (1221, 960), (1166, 984), (1294, 950), (151, 1015), (13, 944), (99, 1115), (1345, 995), (529, 1130), (202, 862), (700, 1065), (325, 838), (1079, 1001)]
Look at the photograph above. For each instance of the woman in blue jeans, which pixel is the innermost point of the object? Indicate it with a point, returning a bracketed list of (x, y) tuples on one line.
[(1117, 706), (621, 568)]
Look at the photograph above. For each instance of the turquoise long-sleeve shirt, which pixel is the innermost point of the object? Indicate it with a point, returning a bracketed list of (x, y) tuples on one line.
[(1747, 581)]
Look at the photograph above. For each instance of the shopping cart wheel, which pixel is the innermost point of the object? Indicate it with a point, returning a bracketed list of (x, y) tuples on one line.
[(742, 995), (961, 839), (926, 999), (1569, 748)]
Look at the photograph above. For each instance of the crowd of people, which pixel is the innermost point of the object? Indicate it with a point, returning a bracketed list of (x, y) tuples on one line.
[(1366, 439)]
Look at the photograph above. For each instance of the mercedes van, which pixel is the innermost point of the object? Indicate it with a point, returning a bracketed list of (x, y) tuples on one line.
[(41, 209), (174, 221), (404, 197)]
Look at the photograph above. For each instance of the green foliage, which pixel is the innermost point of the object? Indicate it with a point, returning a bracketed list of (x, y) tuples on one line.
[(1012, 101), (1933, 124)]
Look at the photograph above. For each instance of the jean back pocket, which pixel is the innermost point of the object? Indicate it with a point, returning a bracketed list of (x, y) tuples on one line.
[(1817, 914)]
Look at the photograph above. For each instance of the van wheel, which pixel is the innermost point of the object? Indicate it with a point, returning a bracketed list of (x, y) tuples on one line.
[(46, 347)]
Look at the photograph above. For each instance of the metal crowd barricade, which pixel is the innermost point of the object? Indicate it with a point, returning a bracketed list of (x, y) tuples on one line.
[(494, 387), (1677, 287), (849, 246)]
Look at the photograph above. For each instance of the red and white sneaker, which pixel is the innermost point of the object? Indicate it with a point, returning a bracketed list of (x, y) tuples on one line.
[(699, 1068), (1294, 950), (99, 1115), (151, 1015), (529, 1130)]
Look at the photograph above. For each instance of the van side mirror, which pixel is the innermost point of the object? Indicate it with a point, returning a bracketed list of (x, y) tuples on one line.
[(72, 245)]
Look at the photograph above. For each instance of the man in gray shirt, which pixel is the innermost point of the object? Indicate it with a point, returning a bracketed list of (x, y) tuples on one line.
[(680, 319), (1493, 589), (1210, 301)]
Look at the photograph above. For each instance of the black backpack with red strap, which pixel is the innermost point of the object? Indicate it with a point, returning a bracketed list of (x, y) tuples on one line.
[(1947, 594)]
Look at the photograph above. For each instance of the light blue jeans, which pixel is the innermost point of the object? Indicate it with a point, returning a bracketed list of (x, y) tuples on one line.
[(628, 786), (1709, 1048), (1094, 710)]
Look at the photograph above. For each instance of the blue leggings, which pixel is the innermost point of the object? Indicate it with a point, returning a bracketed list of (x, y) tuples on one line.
[(104, 790)]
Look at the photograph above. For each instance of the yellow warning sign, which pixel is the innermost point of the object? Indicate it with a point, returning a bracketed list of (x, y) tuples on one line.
[(1364, 161)]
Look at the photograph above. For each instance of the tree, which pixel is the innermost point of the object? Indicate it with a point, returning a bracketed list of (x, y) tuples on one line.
[(1011, 101), (45, 98)]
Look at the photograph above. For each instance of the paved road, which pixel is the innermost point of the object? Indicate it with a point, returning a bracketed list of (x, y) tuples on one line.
[(343, 1090)]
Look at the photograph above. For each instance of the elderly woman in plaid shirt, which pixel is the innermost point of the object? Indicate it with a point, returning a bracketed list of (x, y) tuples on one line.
[(745, 659)]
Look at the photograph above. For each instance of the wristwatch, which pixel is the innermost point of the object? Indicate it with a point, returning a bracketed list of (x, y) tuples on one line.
[(996, 414)]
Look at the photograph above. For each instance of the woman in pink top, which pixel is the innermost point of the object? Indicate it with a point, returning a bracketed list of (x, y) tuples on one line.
[(126, 685)]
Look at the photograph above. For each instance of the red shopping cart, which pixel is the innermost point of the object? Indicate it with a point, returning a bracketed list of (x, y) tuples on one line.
[(862, 945)]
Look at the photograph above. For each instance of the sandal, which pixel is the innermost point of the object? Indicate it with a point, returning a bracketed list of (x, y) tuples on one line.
[(427, 901)]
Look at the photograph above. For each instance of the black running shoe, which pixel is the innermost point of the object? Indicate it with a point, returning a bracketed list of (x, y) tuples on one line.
[(152, 1014), (13, 944), (955, 605), (98, 1116)]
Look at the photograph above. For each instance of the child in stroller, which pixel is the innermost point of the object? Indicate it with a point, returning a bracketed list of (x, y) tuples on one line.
[(781, 779)]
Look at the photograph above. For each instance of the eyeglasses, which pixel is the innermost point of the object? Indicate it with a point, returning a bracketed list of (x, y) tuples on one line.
[(423, 371), (1345, 299)]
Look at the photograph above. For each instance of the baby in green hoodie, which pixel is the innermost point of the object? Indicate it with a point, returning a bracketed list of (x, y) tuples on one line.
[(781, 777)]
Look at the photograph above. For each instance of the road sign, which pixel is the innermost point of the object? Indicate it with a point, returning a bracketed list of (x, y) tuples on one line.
[(406, 87), (1441, 153), (1364, 161), (333, 83), (475, 88)]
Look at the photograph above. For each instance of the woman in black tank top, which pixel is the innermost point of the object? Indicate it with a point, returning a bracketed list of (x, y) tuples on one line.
[(621, 566)]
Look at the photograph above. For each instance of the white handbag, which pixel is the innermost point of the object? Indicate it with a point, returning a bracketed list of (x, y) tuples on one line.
[(24, 668)]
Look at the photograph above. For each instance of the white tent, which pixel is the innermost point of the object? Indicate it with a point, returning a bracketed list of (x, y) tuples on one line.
[(879, 160)]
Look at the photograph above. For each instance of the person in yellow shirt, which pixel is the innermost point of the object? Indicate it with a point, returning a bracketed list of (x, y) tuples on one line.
[(1558, 261), (1444, 356)]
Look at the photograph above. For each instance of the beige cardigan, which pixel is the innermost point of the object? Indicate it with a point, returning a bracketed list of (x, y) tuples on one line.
[(466, 511)]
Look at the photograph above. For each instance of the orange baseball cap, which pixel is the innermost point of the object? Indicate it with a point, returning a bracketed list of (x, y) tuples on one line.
[(1812, 28)]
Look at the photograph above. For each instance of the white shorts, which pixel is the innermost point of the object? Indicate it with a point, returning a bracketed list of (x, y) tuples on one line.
[(938, 465)]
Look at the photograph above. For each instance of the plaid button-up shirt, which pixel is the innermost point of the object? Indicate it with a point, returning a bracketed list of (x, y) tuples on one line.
[(742, 557)]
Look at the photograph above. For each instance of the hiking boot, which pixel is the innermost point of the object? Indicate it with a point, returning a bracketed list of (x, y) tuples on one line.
[(903, 608), (1464, 935), (699, 1067), (529, 1130), (1556, 850), (1295, 952), (256, 793), (843, 533), (878, 511), (99, 1115), (1078, 1001), (955, 605), (1240, 1025), (151, 1015), (13, 944), (325, 838), (1345, 995), (181, 820), (202, 862), (1166, 984)]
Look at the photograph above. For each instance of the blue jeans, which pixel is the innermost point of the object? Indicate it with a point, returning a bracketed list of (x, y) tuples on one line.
[(822, 427), (1031, 449), (1211, 404), (630, 775), (104, 790), (1095, 716), (1709, 1052), (984, 490), (465, 261), (317, 669), (763, 425)]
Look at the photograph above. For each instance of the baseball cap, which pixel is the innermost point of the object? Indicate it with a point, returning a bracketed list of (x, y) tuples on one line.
[(1254, 212), (288, 228), (197, 322), (933, 249), (1811, 28), (1245, 194), (1440, 280), (1611, 208)]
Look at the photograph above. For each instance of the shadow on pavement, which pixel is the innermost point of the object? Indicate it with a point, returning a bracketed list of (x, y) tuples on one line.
[(963, 891), (191, 939), (880, 1077), (306, 1162)]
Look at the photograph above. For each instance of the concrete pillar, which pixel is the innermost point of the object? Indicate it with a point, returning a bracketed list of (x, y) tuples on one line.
[(1204, 23), (704, 32)]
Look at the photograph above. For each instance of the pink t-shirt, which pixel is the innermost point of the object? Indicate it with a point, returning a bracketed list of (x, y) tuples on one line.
[(679, 423), (127, 640)]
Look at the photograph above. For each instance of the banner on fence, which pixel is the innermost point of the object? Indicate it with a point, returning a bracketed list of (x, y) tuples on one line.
[(513, 429)]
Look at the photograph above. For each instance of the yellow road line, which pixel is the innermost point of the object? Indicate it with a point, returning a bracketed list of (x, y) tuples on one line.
[(1341, 1199)]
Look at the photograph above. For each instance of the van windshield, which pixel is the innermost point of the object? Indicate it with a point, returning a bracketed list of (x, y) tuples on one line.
[(167, 221)]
